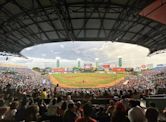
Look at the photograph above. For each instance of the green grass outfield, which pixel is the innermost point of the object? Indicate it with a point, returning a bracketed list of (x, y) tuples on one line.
[(87, 80)]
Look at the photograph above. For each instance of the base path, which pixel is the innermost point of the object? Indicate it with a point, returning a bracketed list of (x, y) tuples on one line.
[(55, 82)]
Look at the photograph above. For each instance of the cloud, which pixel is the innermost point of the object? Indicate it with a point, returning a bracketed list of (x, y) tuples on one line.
[(43, 55), (62, 46), (29, 48), (107, 52)]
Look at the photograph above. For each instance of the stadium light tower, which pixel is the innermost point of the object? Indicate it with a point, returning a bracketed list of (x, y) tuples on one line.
[(96, 61), (78, 62), (57, 62), (119, 61)]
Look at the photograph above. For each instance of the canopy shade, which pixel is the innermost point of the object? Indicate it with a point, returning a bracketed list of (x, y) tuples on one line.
[(25, 23)]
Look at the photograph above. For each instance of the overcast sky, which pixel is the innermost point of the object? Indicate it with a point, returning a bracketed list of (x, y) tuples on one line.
[(44, 55)]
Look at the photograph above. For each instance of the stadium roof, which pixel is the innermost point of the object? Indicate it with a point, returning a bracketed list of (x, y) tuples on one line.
[(25, 23)]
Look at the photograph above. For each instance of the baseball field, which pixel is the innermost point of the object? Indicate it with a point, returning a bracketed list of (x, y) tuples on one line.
[(86, 80)]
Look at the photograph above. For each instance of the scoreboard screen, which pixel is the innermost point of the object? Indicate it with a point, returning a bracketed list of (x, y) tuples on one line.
[(87, 66)]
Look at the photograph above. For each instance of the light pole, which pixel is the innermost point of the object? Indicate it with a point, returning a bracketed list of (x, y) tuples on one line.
[(96, 61), (57, 62), (78, 62), (119, 61)]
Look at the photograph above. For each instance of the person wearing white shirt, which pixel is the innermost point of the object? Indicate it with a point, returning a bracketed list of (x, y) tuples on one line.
[(136, 114)]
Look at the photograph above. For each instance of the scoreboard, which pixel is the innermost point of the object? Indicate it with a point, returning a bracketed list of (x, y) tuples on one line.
[(87, 66)]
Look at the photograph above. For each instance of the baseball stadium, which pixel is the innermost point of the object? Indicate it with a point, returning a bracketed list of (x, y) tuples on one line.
[(82, 61)]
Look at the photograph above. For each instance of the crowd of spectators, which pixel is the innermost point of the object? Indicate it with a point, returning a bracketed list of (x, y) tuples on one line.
[(27, 96)]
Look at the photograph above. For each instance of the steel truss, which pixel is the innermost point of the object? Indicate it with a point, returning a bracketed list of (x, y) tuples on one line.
[(26, 23)]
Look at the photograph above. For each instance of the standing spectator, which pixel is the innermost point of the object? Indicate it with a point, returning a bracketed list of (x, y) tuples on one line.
[(110, 108), (119, 114), (152, 113), (42, 107), (56, 89), (79, 110), (59, 105), (52, 108), (62, 110), (70, 115), (20, 114), (44, 94), (136, 114)]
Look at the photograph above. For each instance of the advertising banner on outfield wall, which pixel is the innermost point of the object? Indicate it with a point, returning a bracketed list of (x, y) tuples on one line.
[(56, 70), (106, 66), (118, 69)]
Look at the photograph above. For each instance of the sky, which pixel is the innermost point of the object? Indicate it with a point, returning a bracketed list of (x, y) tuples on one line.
[(44, 55)]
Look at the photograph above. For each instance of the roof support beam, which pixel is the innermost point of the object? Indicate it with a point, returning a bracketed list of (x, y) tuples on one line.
[(103, 18), (86, 18), (21, 24), (64, 17), (36, 23), (50, 21)]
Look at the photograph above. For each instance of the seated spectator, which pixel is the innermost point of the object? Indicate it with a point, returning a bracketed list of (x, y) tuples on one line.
[(87, 114), (10, 114), (69, 100), (32, 113), (102, 116), (3, 109)]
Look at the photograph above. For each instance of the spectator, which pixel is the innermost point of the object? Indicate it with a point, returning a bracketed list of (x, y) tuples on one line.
[(119, 114), (20, 114), (70, 115), (52, 108), (152, 113), (79, 110), (87, 114), (3, 109), (110, 108), (62, 110), (135, 113), (10, 115), (44, 94), (32, 113), (42, 107)]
